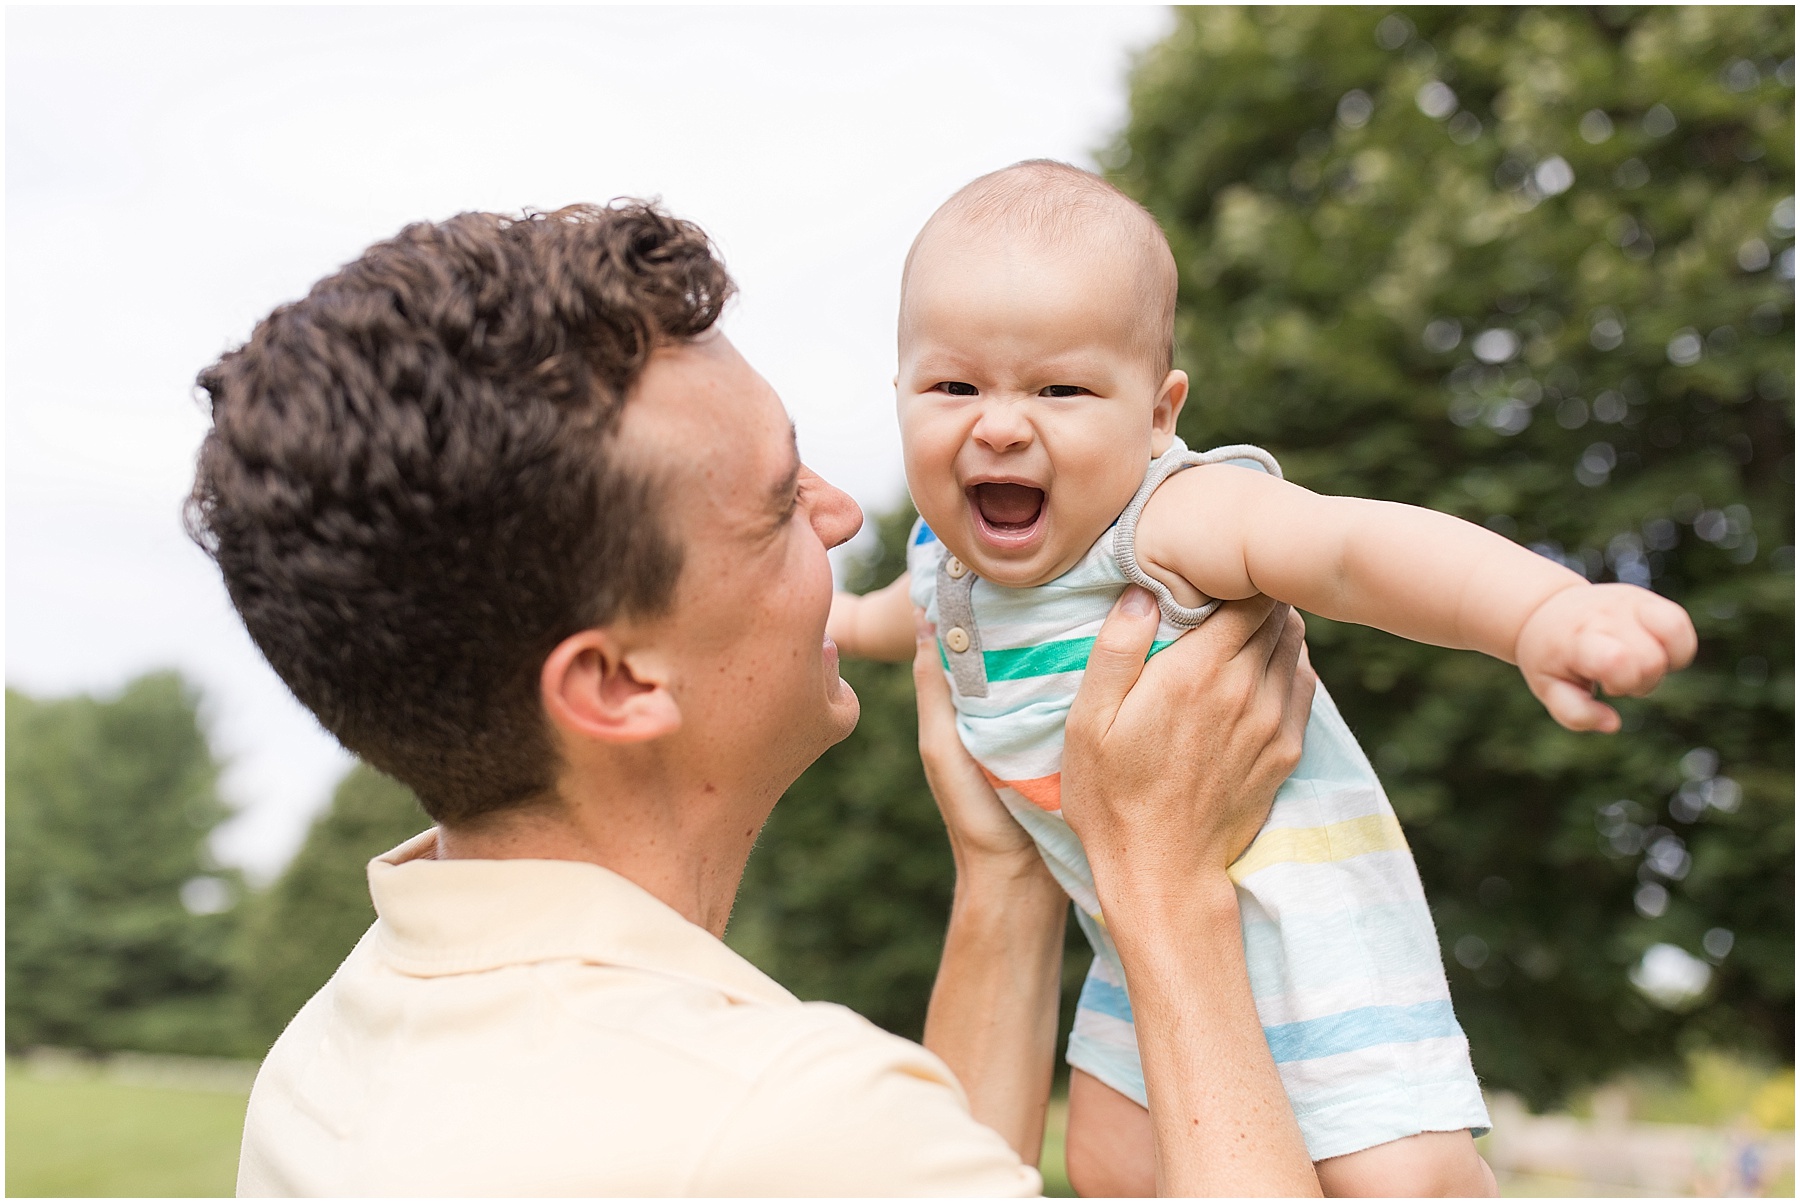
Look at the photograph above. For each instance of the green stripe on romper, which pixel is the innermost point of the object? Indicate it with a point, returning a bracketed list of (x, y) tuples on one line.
[(1043, 660)]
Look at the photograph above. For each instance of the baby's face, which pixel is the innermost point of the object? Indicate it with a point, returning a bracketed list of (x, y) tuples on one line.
[(1029, 406)]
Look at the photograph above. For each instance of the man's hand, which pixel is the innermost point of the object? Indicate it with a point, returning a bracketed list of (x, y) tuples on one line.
[(993, 1009), (1622, 638), (1180, 757), (1169, 769), (980, 827)]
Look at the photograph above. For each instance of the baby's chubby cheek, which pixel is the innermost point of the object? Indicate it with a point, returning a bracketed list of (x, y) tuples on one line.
[(945, 510), (941, 503), (931, 474)]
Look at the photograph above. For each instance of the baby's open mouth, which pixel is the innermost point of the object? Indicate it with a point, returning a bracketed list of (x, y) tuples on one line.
[(1008, 513)]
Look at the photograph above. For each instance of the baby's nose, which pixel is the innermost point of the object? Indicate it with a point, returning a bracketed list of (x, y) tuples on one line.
[(1002, 428)]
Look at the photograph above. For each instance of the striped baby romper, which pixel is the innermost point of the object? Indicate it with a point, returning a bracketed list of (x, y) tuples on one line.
[(1343, 955)]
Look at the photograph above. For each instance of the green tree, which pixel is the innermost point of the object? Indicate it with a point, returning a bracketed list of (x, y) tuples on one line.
[(1533, 267), (298, 932), (118, 921), (848, 892)]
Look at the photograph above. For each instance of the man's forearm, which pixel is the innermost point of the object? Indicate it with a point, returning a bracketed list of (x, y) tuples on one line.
[(993, 1009), (1222, 1120)]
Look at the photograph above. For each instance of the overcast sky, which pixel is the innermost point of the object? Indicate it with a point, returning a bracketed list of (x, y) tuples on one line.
[(171, 175)]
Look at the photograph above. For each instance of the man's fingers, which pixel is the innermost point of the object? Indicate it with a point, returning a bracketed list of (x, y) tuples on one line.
[(1118, 656), (1301, 687), (1250, 625), (924, 654), (937, 714), (1274, 651), (1284, 631), (1289, 655), (1306, 681)]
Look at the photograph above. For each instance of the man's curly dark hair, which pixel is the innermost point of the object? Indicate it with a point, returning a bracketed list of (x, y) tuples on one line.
[(414, 488)]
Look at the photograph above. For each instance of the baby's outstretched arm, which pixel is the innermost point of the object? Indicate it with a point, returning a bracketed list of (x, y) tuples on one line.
[(874, 626), (1226, 532)]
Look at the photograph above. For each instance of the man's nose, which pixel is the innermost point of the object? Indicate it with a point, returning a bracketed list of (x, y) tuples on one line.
[(1002, 427), (834, 513)]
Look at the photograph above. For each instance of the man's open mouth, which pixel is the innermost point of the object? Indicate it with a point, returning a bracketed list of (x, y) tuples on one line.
[(1007, 514)]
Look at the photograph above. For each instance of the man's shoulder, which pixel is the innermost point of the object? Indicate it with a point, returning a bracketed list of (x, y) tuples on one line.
[(602, 1080), (585, 1010), (821, 1041), (845, 1108), (709, 1029)]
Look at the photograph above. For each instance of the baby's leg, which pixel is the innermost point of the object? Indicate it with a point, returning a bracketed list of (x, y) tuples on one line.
[(1431, 1164), (1111, 1151)]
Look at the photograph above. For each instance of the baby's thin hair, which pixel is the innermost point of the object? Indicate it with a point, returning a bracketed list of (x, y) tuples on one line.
[(1060, 203)]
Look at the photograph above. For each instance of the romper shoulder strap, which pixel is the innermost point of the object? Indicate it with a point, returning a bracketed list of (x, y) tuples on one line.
[(1176, 459)]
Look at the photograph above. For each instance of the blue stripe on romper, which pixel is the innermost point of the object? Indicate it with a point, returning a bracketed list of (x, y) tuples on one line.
[(1104, 998), (924, 535), (1345, 1032), (1365, 1027)]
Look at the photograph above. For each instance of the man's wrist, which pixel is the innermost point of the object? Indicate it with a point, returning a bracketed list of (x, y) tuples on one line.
[(1141, 915), (1003, 882)]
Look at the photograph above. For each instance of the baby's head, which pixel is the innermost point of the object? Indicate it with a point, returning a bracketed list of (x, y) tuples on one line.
[(1037, 315)]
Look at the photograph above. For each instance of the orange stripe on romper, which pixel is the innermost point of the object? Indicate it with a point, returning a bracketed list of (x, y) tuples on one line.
[(1045, 793)]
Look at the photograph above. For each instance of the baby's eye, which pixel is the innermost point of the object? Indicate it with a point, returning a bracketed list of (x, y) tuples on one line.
[(1063, 390), (955, 388)]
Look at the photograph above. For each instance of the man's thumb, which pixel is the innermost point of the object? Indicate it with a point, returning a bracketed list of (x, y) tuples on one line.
[(1118, 656)]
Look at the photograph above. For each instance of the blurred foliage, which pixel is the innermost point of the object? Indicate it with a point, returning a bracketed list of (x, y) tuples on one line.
[(298, 931), (1715, 1090), (848, 892), (109, 804), (121, 930), (1533, 267)]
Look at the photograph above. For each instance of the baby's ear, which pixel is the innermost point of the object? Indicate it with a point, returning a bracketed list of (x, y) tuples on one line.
[(1170, 397)]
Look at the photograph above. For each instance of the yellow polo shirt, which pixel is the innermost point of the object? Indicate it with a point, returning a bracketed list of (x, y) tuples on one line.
[(535, 1027)]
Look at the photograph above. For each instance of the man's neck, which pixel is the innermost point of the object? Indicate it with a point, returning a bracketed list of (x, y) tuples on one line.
[(686, 845)]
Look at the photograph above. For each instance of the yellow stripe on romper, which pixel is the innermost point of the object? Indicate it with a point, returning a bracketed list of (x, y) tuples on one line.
[(1316, 845)]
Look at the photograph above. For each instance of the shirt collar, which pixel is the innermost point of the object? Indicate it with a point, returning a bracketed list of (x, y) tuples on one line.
[(444, 917)]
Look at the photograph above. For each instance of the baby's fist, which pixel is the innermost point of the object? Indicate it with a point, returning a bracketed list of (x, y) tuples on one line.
[(1620, 637)]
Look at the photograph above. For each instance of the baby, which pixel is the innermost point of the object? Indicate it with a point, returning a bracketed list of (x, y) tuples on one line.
[(1037, 409)]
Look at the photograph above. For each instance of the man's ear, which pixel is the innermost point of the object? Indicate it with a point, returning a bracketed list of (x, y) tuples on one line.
[(1169, 400), (594, 689)]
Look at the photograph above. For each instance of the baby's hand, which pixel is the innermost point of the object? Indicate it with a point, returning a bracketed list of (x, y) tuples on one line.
[(1620, 637)]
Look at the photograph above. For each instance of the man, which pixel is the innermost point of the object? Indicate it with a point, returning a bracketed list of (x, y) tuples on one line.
[(525, 532)]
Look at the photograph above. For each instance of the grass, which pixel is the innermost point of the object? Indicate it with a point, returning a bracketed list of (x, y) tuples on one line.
[(1050, 1162), (87, 1135)]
